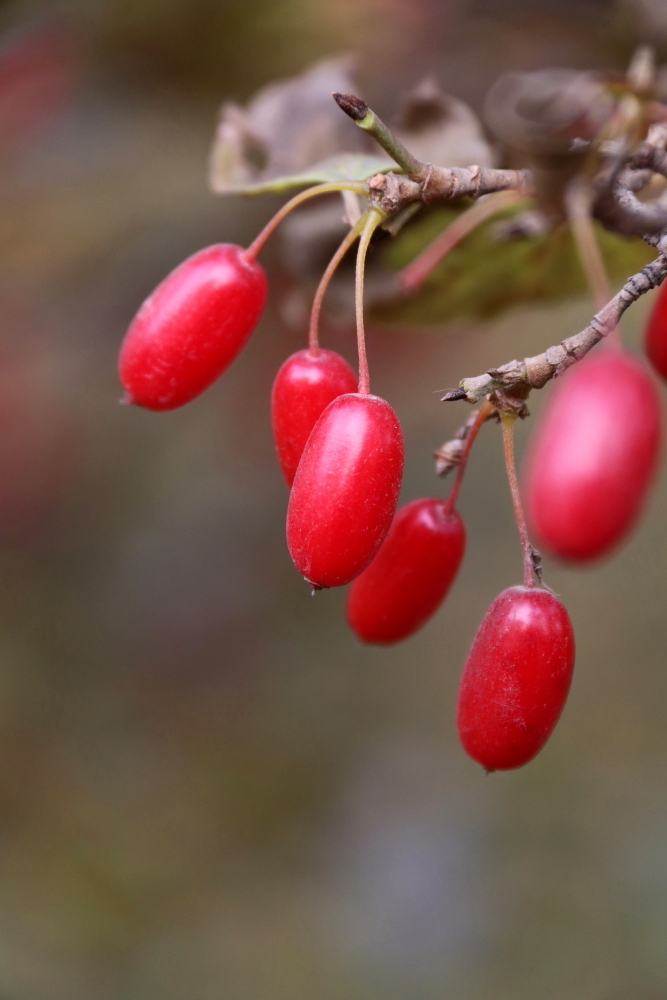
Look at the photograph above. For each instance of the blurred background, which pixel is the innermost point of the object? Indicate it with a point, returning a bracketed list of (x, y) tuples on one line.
[(208, 788)]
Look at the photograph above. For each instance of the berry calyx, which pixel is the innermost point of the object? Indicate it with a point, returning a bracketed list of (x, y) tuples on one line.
[(516, 678), (345, 489), (656, 333), (191, 327), (411, 574), (593, 456), (303, 388)]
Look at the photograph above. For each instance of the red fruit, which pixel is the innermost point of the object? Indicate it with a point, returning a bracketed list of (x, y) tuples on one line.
[(345, 489), (656, 333), (411, 574), (516, 678), (191, 327), (593, 456), (38, 68), (304, 386)]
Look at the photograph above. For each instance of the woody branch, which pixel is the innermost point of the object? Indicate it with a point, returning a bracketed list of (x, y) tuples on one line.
[(519, 377)]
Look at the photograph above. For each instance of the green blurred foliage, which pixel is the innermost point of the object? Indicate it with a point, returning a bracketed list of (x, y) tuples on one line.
[(484, 275)]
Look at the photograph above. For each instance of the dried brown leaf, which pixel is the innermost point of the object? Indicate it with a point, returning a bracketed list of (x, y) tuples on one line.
[(440, 129)]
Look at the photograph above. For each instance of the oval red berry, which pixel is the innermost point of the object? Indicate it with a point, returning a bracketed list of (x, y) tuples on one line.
[(656, 333), (345, 489), (191, 327), (593, 456), (410, 575), (303, 388), (516, 678)]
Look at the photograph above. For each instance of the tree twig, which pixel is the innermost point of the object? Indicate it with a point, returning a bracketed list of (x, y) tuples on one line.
[(534, 373), (392, 192), (366, 119), (620, 211), (448, 456)]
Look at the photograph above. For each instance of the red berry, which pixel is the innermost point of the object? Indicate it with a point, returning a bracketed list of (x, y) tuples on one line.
[(656, 333), (516, 678), (345, 489), (38, 68), (411, 574), (304, 386), (593, 456), (191, 327)]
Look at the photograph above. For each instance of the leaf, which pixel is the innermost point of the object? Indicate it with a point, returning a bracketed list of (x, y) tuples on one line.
[(438, 128), (287, 131), (485, 276), (292, 134), (345, 167)]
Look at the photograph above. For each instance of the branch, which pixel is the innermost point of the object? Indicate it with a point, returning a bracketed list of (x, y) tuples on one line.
[(614, 204), (622, 212), (533, 373), (649, 157), (449, 455), (392, 192), (425, 182)]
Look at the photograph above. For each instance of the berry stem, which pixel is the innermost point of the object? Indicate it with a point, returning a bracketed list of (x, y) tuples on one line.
[(507, 420), (420, 268), (579, 204), (313, 342), (373, 220), (480, 417), (294, 202)]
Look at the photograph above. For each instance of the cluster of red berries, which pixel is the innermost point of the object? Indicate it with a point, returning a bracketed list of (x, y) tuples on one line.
[(341, 452)]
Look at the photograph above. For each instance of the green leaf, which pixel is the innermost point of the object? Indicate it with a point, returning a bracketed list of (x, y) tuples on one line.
[(344, 167), (484, 276)]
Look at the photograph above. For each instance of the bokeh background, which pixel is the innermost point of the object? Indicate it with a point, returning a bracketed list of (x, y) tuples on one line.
[(208, 788)]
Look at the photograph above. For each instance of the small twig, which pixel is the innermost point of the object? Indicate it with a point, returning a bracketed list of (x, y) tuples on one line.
[(649, 157), (534, 373), (448, 455), (622, 212), (420, 268), (393, 224), (470, 431), (366, 119)]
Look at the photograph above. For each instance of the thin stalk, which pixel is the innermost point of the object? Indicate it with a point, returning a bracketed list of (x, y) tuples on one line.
[(419, 268), (507, 420), (366, 119), (312, 192), (480, 417), (375, 217), (578, 204), (313, 342)]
